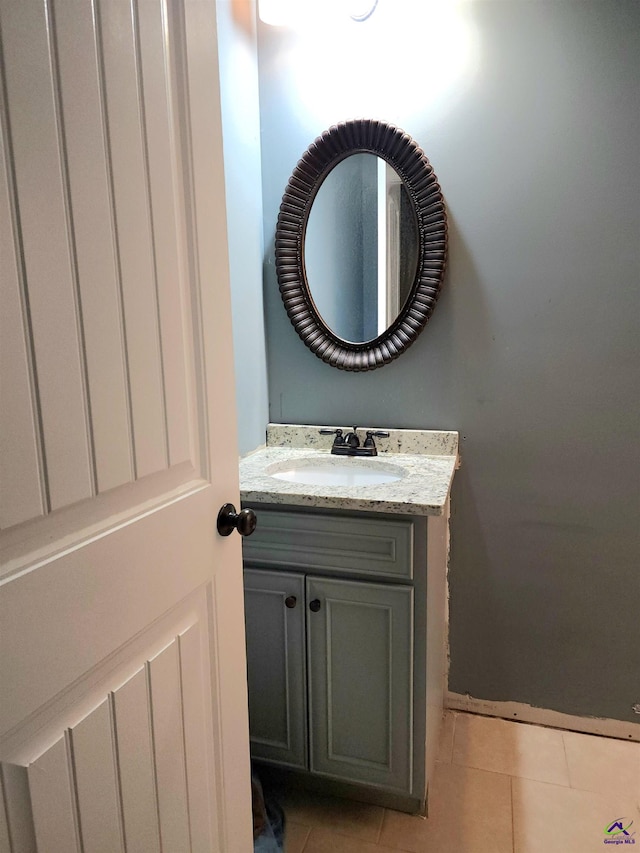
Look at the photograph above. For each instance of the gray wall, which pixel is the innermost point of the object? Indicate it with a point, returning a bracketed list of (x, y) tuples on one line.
[(241, 143), (532, 352)]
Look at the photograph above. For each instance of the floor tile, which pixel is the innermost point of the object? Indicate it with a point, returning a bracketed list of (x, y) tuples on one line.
[(359, 820), (445, 747), (501, 787), (469, 812), (516, 749), (554, 819), (603, 764), (323, 840), (295, 837)]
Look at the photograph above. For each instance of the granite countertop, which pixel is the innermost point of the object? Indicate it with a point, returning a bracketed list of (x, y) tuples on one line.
[(428, 459)]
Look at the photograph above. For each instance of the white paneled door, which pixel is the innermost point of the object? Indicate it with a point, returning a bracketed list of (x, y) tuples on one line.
[(123, 707)]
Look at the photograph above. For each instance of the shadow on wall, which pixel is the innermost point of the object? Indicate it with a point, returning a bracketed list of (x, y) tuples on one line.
[(467, 328), (470, 579)]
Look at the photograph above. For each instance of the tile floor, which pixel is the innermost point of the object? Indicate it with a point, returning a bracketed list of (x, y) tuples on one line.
[(499, 787)]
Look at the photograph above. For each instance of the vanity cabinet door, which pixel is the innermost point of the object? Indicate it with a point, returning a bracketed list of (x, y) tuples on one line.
[(275, 613), (360, 661)]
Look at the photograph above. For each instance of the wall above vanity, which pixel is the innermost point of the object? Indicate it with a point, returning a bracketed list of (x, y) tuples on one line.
[(533, 347)]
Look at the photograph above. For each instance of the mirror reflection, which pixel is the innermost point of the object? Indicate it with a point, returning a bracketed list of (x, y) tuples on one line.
[(361, 247)]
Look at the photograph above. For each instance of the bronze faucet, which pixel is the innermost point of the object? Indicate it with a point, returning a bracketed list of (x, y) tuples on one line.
[(349, 444)]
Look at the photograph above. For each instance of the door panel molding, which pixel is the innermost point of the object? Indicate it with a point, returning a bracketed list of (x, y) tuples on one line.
[(111, 744), (24, 492), (52, 791), (34, 734), (100, 192), (36, 542), (38, 166), (92, 227)]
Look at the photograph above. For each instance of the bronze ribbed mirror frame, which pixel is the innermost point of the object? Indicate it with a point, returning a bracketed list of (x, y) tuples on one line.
[(410, 162)]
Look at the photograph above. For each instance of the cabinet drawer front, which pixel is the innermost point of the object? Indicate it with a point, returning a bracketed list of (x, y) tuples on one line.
[(359, 646), (275, 613), (371, 546)]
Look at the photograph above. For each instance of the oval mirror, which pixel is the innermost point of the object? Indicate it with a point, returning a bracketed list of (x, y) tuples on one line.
[(361, 247), (361, 244)]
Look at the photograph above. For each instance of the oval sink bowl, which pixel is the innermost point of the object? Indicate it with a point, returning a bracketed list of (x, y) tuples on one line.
[(348, 471)]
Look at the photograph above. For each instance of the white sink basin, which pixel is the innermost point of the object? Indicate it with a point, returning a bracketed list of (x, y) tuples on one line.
[(336, 471)]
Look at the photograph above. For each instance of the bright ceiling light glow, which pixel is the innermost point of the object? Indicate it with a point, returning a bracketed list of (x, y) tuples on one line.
[(276, 13), (405, 57), (297, 14)]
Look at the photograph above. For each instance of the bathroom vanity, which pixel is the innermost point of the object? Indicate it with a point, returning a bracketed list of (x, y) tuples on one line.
[(345, 596)]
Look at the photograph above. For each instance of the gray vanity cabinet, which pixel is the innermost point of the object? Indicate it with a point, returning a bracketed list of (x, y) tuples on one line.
[(332, 679), (359, 646), (358, 690), (276, 669)]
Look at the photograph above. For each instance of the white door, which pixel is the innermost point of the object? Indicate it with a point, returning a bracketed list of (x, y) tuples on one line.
[(123, 708)]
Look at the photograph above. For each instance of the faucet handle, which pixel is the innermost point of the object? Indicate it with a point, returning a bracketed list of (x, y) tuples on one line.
[(339, 438), (379, 433)]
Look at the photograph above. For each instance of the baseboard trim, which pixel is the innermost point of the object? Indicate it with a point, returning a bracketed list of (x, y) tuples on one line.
[(543, 717)]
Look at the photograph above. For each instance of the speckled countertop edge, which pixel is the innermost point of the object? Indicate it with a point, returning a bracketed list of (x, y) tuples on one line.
[(428, 467), (419, 441)]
